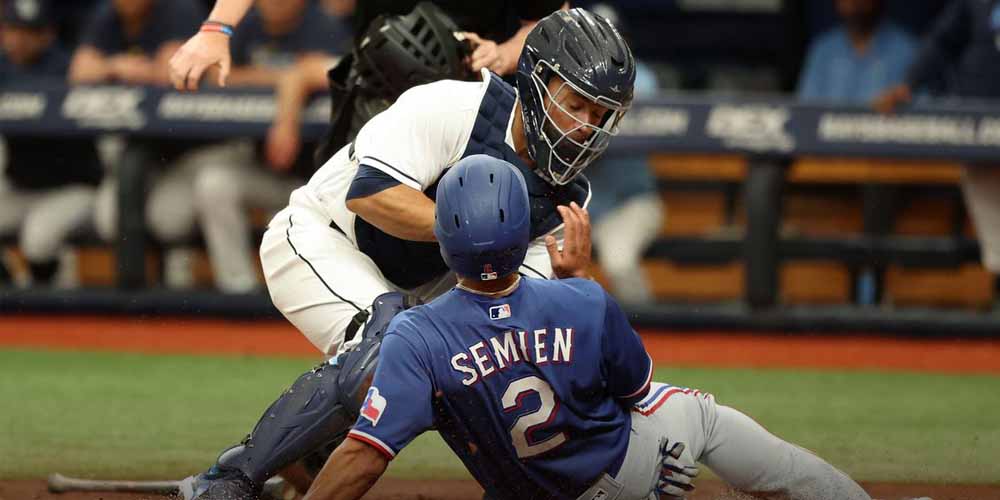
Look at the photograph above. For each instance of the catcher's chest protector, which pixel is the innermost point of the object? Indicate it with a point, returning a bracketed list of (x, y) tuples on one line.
[(409, 264), (488, 137)]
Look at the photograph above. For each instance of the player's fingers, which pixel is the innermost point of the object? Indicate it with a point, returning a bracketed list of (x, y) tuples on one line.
[(582, 212), (677, 484), (472, 37), (569, 226), (672, 489), (679, 474), (669, 491), (484, 51), (584, 217), (553, 248), (224, 70), (482, 59), (194, 76), (177, 80), (574, 231), (178, 69)]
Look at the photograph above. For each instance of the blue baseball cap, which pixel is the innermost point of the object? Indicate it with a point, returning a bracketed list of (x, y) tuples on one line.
[(35, 14)]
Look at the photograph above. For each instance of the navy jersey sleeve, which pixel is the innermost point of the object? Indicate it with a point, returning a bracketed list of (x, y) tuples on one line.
[(321, 33), (102, 32), (368, 181), (626, 362), (398, 407), (181, 20), (946, 40)]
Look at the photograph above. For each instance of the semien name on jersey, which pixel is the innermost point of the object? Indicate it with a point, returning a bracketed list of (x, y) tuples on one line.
[(539, 347)]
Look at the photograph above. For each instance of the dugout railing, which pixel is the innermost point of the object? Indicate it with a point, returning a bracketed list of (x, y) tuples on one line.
[(770, 132)]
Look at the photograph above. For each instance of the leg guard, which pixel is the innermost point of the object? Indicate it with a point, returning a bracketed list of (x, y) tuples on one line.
[(319, 408)]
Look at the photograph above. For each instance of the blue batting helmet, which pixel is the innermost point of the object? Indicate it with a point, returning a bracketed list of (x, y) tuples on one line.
[(483, 218)]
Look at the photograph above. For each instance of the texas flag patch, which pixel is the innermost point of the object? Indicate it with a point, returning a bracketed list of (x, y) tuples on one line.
[(373, 407), (500, 312)]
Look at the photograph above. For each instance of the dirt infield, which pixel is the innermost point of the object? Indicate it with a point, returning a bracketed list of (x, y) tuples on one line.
[(400, 489), (158, 335), (183, 336)]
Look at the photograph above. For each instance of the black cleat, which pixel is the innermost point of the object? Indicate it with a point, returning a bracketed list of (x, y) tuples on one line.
[(219, 483)]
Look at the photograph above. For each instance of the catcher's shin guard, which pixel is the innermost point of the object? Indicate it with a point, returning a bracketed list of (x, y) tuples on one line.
[(319, 408)]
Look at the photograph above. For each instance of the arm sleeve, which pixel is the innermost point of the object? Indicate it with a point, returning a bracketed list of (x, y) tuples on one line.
[(946, 40), (320, 33), (100, 29), (628, 365), (811, 79), (369, 181), (398, 406), (416, 138), (903, 53)]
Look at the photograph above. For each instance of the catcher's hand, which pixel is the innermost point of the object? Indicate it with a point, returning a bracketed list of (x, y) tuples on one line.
[(675, 477), (574, 257)]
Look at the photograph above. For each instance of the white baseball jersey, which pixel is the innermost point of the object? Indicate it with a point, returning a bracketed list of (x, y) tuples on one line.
[(427, 130)]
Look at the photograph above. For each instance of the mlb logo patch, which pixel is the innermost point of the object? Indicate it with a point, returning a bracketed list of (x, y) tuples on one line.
[(500, 312), (488, 273), (373, 407)]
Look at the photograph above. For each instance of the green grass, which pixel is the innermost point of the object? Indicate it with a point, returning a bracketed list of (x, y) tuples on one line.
[(121, 415)]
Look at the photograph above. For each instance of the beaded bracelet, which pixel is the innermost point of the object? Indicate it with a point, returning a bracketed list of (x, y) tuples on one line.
[(217, 27)]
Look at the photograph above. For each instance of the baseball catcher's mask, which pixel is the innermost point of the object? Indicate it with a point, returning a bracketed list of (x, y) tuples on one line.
[(592, 59)]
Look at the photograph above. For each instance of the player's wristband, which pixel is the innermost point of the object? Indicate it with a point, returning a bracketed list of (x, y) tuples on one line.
[(217, 27)]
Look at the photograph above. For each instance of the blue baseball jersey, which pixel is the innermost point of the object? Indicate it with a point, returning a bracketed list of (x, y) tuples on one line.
[(530, 390)]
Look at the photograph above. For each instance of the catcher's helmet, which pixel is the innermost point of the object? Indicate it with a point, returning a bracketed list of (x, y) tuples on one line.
[(395, 53), (589, 55), (483, 218), (399, 52)]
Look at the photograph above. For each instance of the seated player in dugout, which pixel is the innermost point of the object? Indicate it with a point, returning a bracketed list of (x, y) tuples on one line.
[(46, 185), (381, 66), (356, 244), (130, 41), (541, 387)]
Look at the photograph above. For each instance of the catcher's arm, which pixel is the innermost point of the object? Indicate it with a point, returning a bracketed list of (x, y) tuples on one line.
[(350, 472)]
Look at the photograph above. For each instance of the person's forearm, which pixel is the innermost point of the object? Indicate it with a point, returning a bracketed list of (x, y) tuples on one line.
[(511, 49), (400, 211), (253, 76), (349, 473), (513, 46), (162, 62), (230, 11), (88, 66), (296, 85)]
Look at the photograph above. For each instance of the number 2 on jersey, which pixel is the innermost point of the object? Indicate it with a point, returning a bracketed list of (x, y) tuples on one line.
[(527, 424)]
